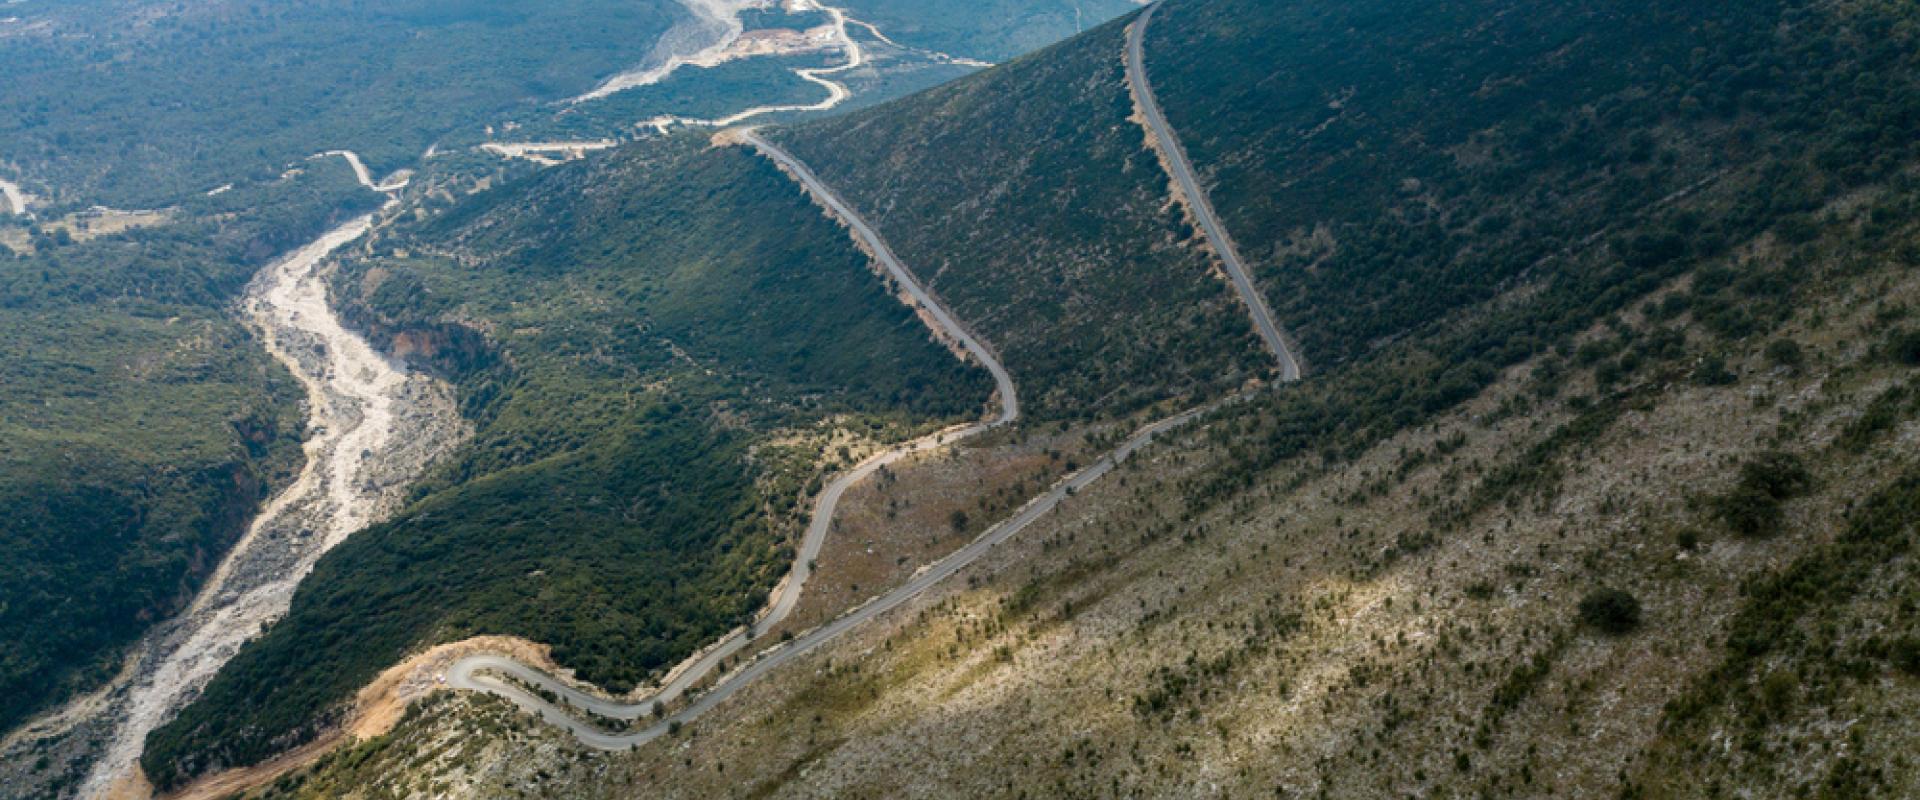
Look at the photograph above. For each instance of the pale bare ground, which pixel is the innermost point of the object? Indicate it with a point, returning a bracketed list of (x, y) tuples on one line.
[(376, 708), (90, 224), (893, 524), (548, 154), (890, 526), (15, 197)]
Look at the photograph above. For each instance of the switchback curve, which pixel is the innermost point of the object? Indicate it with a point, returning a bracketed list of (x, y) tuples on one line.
[(475, 672)]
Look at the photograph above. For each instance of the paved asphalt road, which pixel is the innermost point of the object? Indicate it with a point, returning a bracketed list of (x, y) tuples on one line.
[(484, 672), (1182, 170), (473, 672), (478, 672)]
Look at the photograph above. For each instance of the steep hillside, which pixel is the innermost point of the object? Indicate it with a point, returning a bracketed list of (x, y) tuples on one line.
[(1322, 633), (1390, 164), (660, 352), (682, 374), (1690, 607), (1026, 199), (1602, 485)]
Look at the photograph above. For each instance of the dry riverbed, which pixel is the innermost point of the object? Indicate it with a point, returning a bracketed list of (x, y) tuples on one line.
[(372, 428)]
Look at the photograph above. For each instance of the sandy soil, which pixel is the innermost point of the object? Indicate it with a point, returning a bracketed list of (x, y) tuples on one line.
[(700, 41), (16, 198), (548, 153)]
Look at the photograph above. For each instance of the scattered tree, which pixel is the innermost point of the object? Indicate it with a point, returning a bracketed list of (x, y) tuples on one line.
[(1611, 611)]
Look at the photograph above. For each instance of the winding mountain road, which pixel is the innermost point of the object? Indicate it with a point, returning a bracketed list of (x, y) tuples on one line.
[(1182, 172), (477, 672), (474, 672), (511, 679), (483, 672)]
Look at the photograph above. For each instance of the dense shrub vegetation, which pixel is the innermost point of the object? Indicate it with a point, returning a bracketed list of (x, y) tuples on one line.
[(1590, 154), (1386, 175), (1435, 193), (139, 426), (1026, 199), (1612, 611), (197, 94), (652, 318)]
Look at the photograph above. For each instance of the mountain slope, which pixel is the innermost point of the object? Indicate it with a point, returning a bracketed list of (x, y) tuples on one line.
[(1601, 486), (1026, 199), (649, 407)]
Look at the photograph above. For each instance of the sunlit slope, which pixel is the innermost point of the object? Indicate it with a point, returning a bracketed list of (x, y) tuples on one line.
[(1598, 487)]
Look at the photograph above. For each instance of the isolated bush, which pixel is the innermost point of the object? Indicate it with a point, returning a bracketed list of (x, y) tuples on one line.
[(1906, 654), (1752, 506), (1611, 611), (1777, 691), (1785, 353), (1903, 346), (1781, 475), (1713, 372), (1688, 539)]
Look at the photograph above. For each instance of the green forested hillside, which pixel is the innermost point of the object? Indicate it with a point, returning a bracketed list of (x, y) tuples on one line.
[(134, 103), (1608, 306), (139, 427), (1600, 487), (1388, 163), (650, 321), (1026, 199), (1587, 155)]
